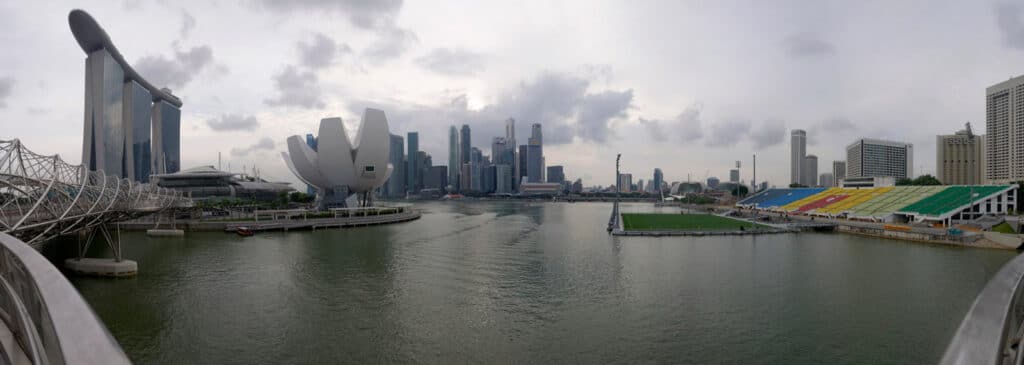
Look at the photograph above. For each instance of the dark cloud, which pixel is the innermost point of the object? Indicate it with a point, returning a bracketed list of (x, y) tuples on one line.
[(452, 62), (686, 126), (297, 88), (727, 133), (768, 134), (1010, 20), (806, 45), (366, 14), (321, 52), (264, 144), (391, 43), (188, 23), (829, 127), (561, 102), (176, 72), (597, 109), (233, 122), (655, 128), (6, 85)]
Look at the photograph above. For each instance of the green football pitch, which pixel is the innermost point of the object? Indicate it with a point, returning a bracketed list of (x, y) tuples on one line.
[(682, 222)]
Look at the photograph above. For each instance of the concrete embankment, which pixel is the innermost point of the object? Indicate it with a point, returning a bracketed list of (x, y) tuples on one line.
[(280, 224)]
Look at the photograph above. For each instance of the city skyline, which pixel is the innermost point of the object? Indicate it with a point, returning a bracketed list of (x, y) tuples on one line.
[(404, 63)]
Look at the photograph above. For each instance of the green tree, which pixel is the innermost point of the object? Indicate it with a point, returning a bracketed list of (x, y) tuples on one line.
[(920, 180)]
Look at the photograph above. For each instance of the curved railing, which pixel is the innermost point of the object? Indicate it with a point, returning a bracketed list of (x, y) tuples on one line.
[(42, 196), (992, 330), (50, 322)]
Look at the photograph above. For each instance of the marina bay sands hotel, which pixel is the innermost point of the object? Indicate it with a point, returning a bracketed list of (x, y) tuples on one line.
[(132, 128)]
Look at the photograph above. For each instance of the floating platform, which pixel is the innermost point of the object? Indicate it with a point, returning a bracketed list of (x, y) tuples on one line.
[(102, 267)]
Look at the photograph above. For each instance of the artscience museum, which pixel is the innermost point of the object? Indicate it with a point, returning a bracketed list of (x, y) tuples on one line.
[(339, 168)]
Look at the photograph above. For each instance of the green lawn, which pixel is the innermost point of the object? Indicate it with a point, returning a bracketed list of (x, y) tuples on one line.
[(681, 222), (1004, 228)]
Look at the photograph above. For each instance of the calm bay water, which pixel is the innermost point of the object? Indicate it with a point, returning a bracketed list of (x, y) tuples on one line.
[(535, 283)]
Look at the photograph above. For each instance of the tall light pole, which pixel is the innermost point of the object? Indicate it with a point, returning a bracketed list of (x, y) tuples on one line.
[(617, 179)]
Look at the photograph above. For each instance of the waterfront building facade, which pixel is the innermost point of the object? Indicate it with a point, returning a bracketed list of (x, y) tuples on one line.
[(960, 158), (1004, 128), (868, 157), (412, 170), (166, 138)]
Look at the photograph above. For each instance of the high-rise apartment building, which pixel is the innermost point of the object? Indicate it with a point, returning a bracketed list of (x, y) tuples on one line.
[(838, 172), (960, 158), (867, 157), (625, 182), (1004, 128), (798, 150), (809, 171)]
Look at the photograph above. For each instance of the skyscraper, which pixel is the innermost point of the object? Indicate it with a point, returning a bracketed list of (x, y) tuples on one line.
[(960, 158), (453, 157), (659, 180), (131, 128), (734, 175), (1004, 125), (311, 142), (625, 182), (395, 186), (810, 171), (556, 174), (503, 179), (412, 181), (826, 180), (838, 171), (873, 157), (464, 144), (476, 163), (798, 150), (498, 147), (137, 114), (522, 161), (166, 138), (535, 155)]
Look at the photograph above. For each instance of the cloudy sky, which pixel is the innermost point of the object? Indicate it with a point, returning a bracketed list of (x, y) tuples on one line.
[(687, 86)]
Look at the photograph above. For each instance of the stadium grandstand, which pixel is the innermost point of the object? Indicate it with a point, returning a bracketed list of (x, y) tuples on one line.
[(930, 204)]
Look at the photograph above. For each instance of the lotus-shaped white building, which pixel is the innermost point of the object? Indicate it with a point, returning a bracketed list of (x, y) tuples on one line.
[(338, 168)]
